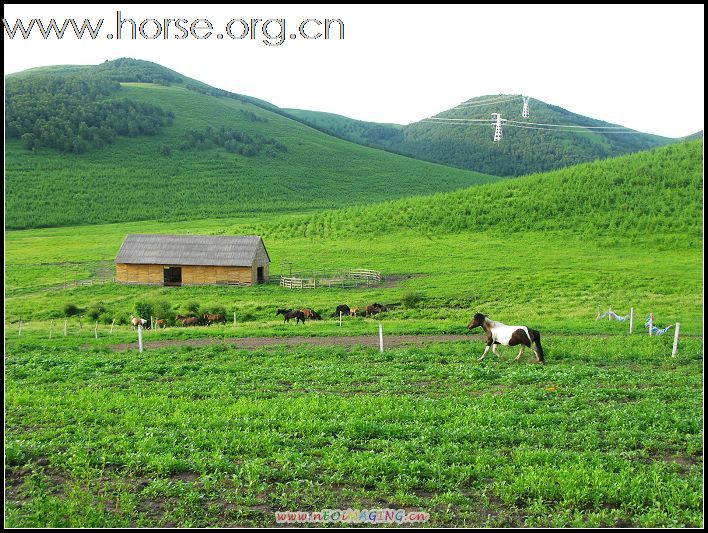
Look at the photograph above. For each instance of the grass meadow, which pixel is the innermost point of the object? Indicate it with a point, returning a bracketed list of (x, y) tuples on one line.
[(608, 433)]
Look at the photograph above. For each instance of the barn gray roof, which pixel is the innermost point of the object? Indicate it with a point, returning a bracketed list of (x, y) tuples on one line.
[(207, 250)]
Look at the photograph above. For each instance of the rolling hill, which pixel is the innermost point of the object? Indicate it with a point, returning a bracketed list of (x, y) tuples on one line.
[(130, 140), (523, 150), (657, 192)]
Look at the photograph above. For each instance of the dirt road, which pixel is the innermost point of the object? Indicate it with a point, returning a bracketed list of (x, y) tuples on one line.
[(252, 343)]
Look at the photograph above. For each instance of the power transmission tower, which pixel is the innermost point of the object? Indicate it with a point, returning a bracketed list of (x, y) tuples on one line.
[(525, 112), (498, 129)]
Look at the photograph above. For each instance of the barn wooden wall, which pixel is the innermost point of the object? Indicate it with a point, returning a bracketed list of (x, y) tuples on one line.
[(191, 275)]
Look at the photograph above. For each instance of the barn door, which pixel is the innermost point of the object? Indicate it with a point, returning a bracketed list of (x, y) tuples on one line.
[(173, 276), (261, 276)]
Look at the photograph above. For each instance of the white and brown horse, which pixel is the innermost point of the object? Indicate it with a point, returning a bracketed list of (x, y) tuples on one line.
[(498, 333), (136, 321)]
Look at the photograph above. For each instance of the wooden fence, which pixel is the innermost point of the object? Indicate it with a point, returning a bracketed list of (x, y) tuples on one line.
[(340, 279)]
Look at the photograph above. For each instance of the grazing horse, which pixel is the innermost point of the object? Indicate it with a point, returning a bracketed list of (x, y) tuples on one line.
[(161, 323), (311, 314), (190, 321), (498, 333), (218, 317), (375, 309), (355, 311), (289, 313), (344, 309), (137, 321)]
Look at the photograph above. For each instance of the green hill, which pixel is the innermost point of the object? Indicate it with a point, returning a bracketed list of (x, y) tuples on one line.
[(654, 192), (130, 140), (523, 150)]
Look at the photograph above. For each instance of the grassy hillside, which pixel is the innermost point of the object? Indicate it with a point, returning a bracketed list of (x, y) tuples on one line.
[(650, 193), (624, 232), (245, 159), (521, 151)]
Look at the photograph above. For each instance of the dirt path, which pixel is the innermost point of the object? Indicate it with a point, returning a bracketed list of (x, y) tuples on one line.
[(252, 343)]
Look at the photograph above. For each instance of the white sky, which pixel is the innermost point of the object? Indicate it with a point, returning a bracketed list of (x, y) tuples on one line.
[(641, 67)]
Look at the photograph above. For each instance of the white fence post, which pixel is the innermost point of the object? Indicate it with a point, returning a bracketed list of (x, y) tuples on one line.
[(65, 321), (631, 320), (140, 337), (234, 318), (381, 337), (95, 331), (651, 324), (51, 327), (340, 319), (112, 324), (676, 336)]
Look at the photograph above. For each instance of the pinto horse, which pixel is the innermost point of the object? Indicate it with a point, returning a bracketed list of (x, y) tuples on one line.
[(136, 321), (299, 316), (218, 317), (498, 333)]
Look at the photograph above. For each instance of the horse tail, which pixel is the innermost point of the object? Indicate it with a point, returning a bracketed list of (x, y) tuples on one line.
[(536, 339)]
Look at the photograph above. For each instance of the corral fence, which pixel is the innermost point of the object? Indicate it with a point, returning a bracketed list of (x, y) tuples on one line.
[(332, 279)]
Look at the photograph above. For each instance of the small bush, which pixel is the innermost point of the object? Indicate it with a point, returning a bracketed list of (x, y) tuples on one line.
[(192, 307), (143, 309), (71, 309), (95, 310), (411, 299)]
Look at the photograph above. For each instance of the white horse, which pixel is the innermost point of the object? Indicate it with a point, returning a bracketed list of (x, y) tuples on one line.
[(498, 333)]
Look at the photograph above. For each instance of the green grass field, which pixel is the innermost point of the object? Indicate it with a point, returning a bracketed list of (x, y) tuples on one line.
[(607, 434)]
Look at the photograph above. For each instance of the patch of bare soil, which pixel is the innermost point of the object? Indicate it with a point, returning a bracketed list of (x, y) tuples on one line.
[(254, 343)]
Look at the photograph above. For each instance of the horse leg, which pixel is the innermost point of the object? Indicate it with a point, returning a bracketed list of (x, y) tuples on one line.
[(521, 352), (485, 353), (494, 349)]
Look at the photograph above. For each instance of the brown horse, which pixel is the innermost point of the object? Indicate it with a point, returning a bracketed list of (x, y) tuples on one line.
[(375, 309), (344, 309), (289, 313), (190, 321), (218, 317), (311, 314), (354, 311), (161, 323)]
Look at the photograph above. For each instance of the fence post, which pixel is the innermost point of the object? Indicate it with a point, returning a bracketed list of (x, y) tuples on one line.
[(112, 324), (609, 314), (340, 319), (631, 320), (140, 337), (51, 326), (234, 318), (381, 337), (95, 331), (676, 336), (65, 321), (651, 323)]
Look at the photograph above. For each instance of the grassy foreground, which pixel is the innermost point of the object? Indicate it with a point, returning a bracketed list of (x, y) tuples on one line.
[(608, 433)]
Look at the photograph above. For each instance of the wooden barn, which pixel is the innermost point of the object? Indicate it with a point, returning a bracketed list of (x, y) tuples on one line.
[(174, 260)]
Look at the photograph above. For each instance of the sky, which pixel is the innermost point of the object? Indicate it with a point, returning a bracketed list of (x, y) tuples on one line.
[(640, 67)]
